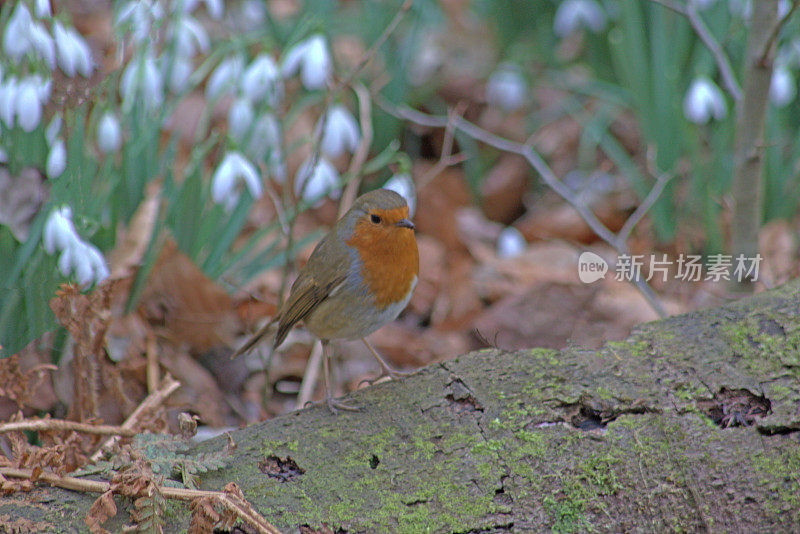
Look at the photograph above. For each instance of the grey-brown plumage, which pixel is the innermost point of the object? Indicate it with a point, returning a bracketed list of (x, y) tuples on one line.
[(331, 264)]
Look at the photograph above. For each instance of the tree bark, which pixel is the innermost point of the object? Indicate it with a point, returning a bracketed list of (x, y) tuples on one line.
[(691, 424)]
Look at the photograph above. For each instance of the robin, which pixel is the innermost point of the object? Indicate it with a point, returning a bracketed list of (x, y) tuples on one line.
[(359, 277)]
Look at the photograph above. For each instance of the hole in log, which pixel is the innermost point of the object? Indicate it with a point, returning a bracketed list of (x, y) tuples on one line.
[(284, 469), (735, 407)]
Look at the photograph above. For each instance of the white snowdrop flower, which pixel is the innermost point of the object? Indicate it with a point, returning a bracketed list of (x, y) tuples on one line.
[(510, 243), (572, 15), (109, 133), (703, 101), (429, 58), (77, 259), (16, 39), (188, 6), (29, 107), (250, 15), (43, 87), (179, 74), (53, 129), (506, 88), (782, 88), (265, 141), (403, 185), (82, 259), (225, 182), (262, 80), (42, 9), (142, 77), (3, 155), (89, 264), (190, 37), (74, 55), (783, 8), (59, 232), (225, 77), (66, 263), (240, 118), (81, 264), (323, 180), (313, 60), (56, 160), (140, 16), (8, 101), (340, 133), (43, 43), (215, 8)]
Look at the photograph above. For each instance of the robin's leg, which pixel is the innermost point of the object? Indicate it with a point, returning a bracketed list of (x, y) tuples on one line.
[(388, 370), (333, 404)]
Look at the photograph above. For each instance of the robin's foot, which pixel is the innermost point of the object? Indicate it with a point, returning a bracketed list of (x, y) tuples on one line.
[(387, 372), (335, 405)]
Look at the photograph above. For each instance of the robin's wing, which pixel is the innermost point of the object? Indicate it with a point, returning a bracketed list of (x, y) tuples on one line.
[(307, 293), (329, 265), (324, 273)]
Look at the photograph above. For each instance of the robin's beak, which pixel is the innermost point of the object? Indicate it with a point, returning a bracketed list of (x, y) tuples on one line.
[(405, 223)]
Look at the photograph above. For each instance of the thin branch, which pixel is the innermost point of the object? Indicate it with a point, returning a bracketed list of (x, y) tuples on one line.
[(644, 206), (276, 202), (372, 50), (310, 377), (233, 503), (362, 151), (148, 405), (725, 70), (65, 426), (152, 364), (447, 158), (536, 161), (775, 32), (690, 12)]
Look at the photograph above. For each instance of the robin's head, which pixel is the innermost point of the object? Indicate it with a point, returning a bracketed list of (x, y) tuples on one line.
[(381, 213)]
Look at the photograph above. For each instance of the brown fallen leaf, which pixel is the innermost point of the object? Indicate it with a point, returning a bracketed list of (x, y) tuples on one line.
[(191, 308), (504, 187)]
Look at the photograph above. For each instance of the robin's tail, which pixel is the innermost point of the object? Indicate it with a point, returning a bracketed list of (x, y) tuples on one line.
[(253, 341)]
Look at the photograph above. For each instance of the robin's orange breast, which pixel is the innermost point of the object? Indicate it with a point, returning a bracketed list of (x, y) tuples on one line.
[(389, 259)]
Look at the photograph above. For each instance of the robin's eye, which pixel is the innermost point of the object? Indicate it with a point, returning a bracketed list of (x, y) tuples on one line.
[(376, 219)]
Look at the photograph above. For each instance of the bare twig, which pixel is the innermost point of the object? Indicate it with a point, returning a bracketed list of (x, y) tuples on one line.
[(276, 202), (63, 425), (725, 70), (536, 161), (775, 32), (242, 510), (372, 50), (152, 364), (447, 158), (644, 206), (148, 405), (702, 31), (360, 156), (310, 377)]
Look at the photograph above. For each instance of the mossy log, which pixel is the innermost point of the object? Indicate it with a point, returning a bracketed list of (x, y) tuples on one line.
[(691, 424)]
